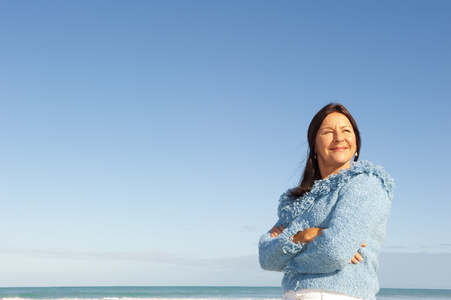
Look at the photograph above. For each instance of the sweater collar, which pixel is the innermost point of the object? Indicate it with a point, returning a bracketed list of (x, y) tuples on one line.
[(290, 208)]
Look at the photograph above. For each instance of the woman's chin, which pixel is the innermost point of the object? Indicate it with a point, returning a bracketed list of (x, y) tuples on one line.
[(339, 161)]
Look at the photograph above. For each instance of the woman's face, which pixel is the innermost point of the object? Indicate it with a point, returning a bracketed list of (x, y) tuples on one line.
[(335, 144)]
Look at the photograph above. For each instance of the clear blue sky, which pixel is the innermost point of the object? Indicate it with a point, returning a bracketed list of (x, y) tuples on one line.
[(147, 142)]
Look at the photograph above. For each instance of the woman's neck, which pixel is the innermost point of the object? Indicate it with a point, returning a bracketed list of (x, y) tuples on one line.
[(329, 170)]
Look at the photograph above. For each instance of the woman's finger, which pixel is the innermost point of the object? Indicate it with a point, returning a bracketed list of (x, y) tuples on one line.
[(358, 257), (275, 232)]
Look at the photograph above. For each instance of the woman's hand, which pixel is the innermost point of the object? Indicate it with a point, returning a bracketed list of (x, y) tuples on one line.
[(275, 231), (357, 257), (307, 235)]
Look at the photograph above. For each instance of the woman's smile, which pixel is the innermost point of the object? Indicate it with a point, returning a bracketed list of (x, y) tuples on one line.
[(339, 148)]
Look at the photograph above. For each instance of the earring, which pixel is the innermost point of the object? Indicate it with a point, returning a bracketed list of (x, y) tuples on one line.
[(314, 156), (357, 154)]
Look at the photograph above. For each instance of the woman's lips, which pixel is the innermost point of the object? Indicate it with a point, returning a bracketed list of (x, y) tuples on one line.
[(339, 148)]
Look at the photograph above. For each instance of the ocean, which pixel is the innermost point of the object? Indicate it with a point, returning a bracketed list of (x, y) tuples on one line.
[(188, 292)]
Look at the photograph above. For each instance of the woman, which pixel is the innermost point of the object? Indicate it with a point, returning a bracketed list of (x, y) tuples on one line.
[(331, 226)]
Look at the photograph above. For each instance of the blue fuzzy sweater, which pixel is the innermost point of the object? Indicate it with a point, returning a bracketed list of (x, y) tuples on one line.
[(352, 206)]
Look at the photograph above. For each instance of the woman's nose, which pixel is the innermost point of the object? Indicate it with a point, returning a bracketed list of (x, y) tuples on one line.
[(338, 137)]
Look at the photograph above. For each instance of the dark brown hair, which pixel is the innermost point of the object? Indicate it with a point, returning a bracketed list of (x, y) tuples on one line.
[(311, 171)]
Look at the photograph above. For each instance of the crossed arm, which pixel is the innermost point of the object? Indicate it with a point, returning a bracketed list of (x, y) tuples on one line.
[(308, 235)]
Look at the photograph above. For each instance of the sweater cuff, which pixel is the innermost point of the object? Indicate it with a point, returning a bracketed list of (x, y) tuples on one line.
[(289, 246)]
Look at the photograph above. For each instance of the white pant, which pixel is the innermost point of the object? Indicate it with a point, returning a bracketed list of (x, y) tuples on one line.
[(316, 295)]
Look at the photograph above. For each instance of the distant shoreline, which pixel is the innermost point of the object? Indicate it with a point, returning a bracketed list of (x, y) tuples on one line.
[(188, 292)]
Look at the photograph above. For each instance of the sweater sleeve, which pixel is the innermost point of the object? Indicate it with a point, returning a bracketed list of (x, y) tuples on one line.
[(363, 205), (276, 252)]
